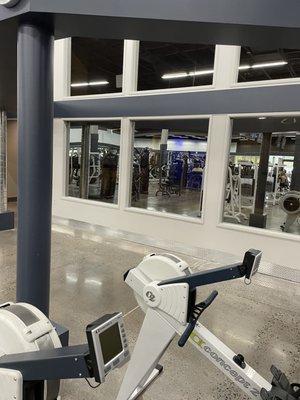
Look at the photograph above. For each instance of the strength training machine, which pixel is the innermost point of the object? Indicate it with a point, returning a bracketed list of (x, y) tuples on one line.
[(165, 288)]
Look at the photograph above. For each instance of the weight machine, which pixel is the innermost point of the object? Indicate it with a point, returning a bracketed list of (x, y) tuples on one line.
[(290, 204)]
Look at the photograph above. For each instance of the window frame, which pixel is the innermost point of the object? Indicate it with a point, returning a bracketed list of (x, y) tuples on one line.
[(65, 196), (137, 210), (130, 77), (174, 90), (267, 82), (244, 228)]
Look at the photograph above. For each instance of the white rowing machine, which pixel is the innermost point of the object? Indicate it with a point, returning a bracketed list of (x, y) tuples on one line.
[(165, 289)]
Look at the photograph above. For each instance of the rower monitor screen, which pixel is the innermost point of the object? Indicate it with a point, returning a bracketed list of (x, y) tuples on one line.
[(251, 262), (111, 343)]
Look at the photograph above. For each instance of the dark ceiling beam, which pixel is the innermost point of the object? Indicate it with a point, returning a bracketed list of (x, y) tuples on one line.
[(255, 12), (263, 99)]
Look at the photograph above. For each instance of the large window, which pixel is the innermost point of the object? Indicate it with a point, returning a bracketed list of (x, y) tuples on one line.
[(169, 158), (263, 177), (93, 160), (97, 66), (259, 64), (175, 65)]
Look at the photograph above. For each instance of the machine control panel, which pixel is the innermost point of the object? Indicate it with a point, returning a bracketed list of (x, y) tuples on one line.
[(251, 263), (108, 345)]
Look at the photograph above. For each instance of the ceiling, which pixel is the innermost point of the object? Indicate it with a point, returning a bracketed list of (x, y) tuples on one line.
[(157, 59)]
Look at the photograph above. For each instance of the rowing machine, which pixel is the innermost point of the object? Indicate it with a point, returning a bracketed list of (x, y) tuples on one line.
[(165, 289)]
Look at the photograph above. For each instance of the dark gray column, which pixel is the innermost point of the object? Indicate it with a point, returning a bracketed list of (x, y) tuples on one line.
[(163, 151), (258, 218), (35, 119), (295, 183), (85, 162)]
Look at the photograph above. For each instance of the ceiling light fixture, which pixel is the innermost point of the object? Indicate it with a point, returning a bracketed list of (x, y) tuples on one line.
[(178, 75), (244, 67), (263, 65), (269, 64), (98, 83), (204, 72), (175, 76), (186, 74), (262, 117), (85, 84)]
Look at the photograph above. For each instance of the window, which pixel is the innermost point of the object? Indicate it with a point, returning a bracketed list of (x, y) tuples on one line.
[(93, 160), (97, 66), (169, 159), (175, 65), (263, 177), (265, 64)]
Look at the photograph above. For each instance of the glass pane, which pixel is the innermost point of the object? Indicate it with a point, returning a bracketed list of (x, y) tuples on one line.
[(263, 178), (259, 64), (94, 151), (169, 160), (97, 66), (173, 65)]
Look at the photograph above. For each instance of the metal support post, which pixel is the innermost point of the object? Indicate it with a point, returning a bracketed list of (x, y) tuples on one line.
[(35, 119), (259, 218)]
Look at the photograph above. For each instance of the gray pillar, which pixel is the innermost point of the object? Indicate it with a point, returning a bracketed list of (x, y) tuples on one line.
[(163, 156), (259, 219), (35, 119), (85, 162), (295, 183)]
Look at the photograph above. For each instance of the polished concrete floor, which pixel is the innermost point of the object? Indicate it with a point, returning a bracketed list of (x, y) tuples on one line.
[(187, 204), (261, 321)]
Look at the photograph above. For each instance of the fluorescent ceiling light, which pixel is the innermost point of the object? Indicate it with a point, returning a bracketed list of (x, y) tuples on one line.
[(94, 83), (262, 117), (263, 65), (79, 84), (204, 72), (243, 67), (178, 75), (175, 76), (269, 64), (186, 74), (98, 83)]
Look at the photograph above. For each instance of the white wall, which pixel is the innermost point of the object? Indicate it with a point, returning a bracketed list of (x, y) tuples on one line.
[(279, 248)]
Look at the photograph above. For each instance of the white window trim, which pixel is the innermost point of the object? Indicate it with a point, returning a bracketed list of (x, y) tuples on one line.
[(259, 231), (91, 202), (161, 214), (271, 82)]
